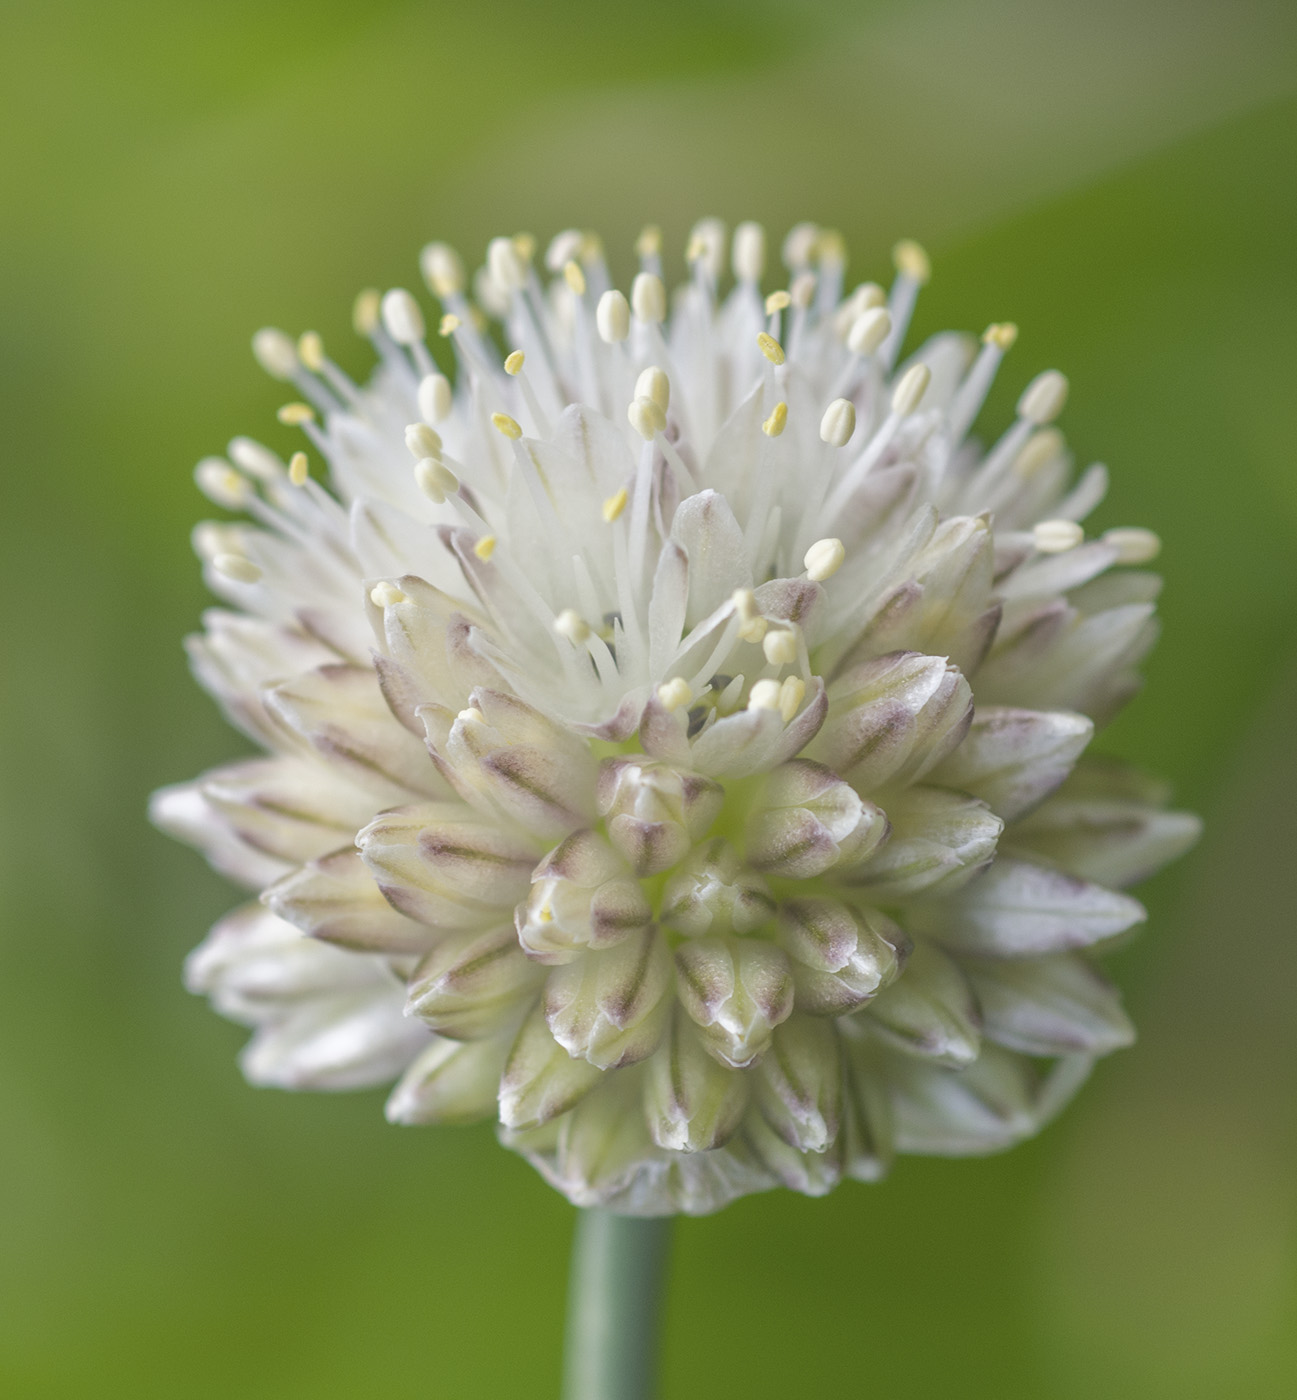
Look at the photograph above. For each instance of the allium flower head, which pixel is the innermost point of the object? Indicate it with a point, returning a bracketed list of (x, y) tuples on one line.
[(674, 735)]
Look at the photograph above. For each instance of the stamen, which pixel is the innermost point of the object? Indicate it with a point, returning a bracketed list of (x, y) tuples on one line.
[(274, 351), (293, 415), (778, 420), (646, 417), (1002, 334), (435, 479), (448, 325), (485, 547), (771, 348), (422, 441), (1057, 536), (866, 297), (299, 469), (505, 264), (838, 423), (386, 595), (799, 246), (675, 693), (869, 330), (780, 646), (778, 301), (570, 624), (653, 384), (910, 389), (563, 247), (574, 277), (365, 312), (791, 694), (237, 567), (802, 290), (1040, 448), (436, 400), (221, 484), (912, 261), (764, 695), (648, 298), (748, 252), (443, 270), (612, 318), (250, 456), (514, 362), (310, 350), (402, 318), (1043, 399), (649, 242), (509, 427), (1133, 544), (823, 559), (706, 248), (614, 505)]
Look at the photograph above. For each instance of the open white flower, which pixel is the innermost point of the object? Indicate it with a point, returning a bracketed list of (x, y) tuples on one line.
[(674, 734)]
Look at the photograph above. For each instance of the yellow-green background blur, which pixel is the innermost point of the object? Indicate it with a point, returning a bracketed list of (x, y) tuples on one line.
[(1117, 176)]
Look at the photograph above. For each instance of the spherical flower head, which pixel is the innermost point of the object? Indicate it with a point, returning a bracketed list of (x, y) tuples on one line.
[(674, 730)]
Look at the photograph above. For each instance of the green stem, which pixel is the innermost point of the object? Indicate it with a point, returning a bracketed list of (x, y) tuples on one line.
[(615, 1307)]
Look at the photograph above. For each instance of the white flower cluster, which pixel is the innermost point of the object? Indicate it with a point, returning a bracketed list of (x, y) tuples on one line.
[(673, 733)]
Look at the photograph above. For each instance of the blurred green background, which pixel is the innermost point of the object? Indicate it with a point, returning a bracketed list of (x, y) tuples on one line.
[(1115, 175)]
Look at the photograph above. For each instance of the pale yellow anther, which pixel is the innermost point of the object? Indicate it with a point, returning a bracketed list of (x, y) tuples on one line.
[(838, 423), (485, 547), (1043, 399), (912, 261), (422, 440), (612, 317), (777, 421), (436, 400), (570, 624), (778, 301), (646, 417), (831, 247), (591, 247), (614, 505), (525, 246), (299, 469), (365, 311), (648, 298), (509, 427), (293, 415), (780, 646), (869, 330), (771, 348), (221, 484), (748, 251), (764, 695), (386, 595), (823, 559), (275, 352), (799, 245), (910, 389), (1041, 447), (1057, 536), (654, 384), (1001, 334), (574, 277), (674, 693), (745, 604), (310, 350), (545, 914), (1133, 544), (513, 362), (470, 714), (448, 324), (754, 630), (435, 479), (402, 318), (649, 242), (443, 270), (506, 266), (791, 694), (802, 289), (237, 567)]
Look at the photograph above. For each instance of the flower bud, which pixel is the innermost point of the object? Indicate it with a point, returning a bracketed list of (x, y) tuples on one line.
[(451, 1082), (541, 1080), (610, 1006), (808, 819), (583, 895), (655, 812), (930, 1011), (471, 984), (798, 1085), (692, 1102), (841, 957), (737, 990), (712, 892)]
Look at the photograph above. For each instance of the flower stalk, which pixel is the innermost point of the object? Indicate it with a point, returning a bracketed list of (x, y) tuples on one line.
[(615, 1297)]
